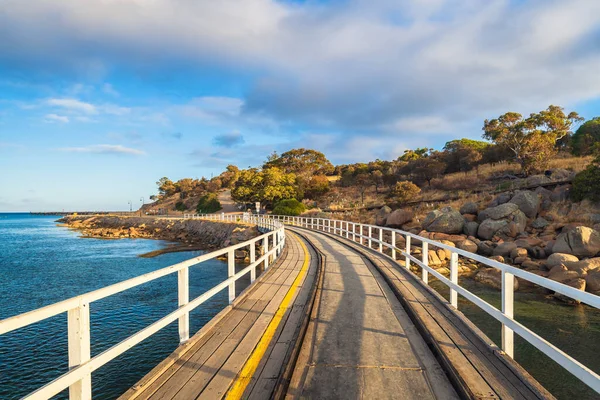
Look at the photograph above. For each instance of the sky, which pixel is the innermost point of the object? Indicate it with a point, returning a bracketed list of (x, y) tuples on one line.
[(101, 98)]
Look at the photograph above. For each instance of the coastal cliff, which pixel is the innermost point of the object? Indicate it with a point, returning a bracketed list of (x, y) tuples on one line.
[(188, 234)]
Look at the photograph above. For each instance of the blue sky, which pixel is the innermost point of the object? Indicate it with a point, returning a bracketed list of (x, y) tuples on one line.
[(99, 99)]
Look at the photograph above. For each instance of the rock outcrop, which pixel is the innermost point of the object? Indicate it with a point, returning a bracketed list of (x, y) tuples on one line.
[(399, 218), (505, 221), (445, 220), (580, 242), (528, 202)]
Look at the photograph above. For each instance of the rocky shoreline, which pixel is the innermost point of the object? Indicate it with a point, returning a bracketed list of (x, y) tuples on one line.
[(186, 235), (520, 228)]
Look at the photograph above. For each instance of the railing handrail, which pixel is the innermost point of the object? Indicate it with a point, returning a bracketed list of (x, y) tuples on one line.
[(505, 315), (81, 364)]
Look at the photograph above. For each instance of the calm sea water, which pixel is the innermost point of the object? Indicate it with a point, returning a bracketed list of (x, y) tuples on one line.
[(41, 264), (573, 329)]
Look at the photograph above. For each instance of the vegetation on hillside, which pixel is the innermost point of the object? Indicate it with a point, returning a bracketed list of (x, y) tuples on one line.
[(514, 147)]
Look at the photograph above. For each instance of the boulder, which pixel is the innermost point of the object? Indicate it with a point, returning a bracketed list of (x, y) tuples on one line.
[(561, 274), (493, 277), (592, 282), (559, 259), (485, 248), (520, 260), (500, 199), (381, 215), (583, 266), (498, 212), (560, 193), (434, 260), (531, 265), (537, 252), (445, 220), (497, 258), (489, 227), (577, 283), (470, 217), (581, 242), (467, 245), (540, 223), (470, 228), (528, 202), (518, 252), (505, 249), (469, 208), (399, 218)]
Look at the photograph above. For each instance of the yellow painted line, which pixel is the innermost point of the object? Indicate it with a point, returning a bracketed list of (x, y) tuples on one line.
[(243, 379)]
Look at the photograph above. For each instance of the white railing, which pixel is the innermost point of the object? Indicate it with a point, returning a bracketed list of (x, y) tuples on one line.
[(356, 232), (81, 365)]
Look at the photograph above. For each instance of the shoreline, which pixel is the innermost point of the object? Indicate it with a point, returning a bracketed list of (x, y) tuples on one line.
[(183, 234)]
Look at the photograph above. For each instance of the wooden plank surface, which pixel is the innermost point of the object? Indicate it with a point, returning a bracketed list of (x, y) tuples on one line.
[(476, 367), (359, 344), (209, 365)]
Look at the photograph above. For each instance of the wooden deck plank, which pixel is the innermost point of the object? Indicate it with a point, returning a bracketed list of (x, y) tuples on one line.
[(503, 380), (210, 342), (357, 347)]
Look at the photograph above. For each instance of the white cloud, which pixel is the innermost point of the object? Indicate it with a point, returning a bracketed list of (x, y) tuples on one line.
[(104, 149), (110, 90), (363, 67), (73, 105), (56, 118)]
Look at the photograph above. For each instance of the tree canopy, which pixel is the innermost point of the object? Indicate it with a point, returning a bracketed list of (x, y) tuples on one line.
[(302, 162), (584, 139), (268, 186)]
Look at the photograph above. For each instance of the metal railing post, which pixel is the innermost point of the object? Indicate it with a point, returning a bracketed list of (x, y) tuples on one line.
[(508, 281), (454, 278), (78, 325), (354, 232), (370, 235), (183, 288), (347, 229), (252, 261), (425, 260), (230, 273), (394, 245), (380, 240), (407, 259)]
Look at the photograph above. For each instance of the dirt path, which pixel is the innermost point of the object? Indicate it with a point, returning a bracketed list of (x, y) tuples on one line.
[(227, 203)]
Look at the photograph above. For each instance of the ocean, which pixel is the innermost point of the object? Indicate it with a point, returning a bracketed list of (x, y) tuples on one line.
[(41, 264)]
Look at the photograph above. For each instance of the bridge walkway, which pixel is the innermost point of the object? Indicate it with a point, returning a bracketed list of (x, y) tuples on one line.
[(333, 319), (272, 308)]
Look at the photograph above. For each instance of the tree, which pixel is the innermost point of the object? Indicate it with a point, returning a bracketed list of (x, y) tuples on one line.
[(153, 197), (428, 168), (532, 140), (464, 154), (267, 186), (209, 203), (289, 207), (185, 186), (412, 155), (229, 176), (166, 187), (404, 192), (214, 185), (363, 181), (586, 136), (377, 179), (317, 186), (302, 162)]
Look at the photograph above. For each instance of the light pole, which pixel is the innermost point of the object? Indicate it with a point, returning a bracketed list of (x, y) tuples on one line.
[(142, 200), (130, 206)]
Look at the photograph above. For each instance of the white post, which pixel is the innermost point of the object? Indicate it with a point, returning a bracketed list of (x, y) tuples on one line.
[(329, 225), (183, 287), (230, 273), (78, 325), (454, 278), (370, 235), (508, 282), (252, 261), (380, 240), (394, 245), (266, 249), (407, 260), (425, 260), (347, 229)]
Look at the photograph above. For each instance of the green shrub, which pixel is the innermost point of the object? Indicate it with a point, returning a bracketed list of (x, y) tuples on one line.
[(209, 203), (404, 192), (586, 184), (289, 207), (179, 206)]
